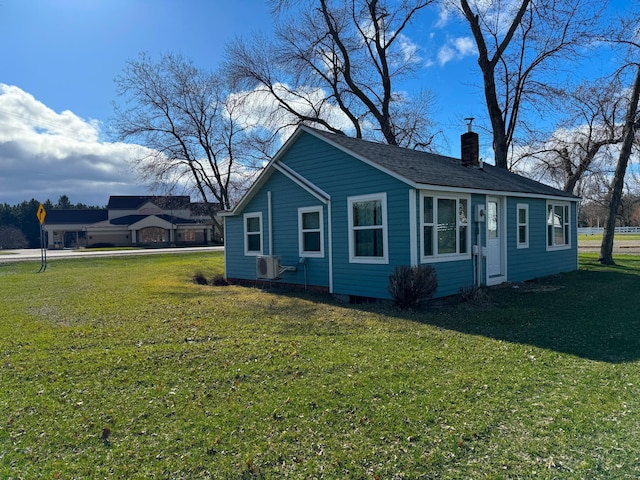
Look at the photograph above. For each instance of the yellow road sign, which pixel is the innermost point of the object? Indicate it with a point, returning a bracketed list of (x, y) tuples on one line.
[(41, 213)]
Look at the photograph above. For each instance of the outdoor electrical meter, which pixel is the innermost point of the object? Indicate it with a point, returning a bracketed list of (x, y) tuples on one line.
[(481, 213)]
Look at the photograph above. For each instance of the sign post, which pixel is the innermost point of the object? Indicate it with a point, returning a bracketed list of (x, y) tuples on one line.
[(41, 214)]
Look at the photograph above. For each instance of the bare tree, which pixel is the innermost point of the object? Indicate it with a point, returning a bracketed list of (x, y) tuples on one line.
[(520, 46), (631, 124), (191, 126), (336, 65), (578, 146), (625, 38)]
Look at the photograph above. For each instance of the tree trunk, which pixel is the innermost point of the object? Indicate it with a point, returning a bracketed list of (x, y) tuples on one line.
[(487, 65), (500, 147), (606, 249)]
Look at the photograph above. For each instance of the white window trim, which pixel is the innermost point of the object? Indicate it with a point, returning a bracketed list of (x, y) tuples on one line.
[(385, 240), (247, 252), (564, 246), (525, 207), (445, 257), (301, 231)]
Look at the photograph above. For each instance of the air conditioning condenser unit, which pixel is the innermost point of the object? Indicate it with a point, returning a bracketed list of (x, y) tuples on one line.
[(267, 267)]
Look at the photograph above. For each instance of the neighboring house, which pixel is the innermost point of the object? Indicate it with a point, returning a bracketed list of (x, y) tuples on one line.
[(340, 213), (131, 220)]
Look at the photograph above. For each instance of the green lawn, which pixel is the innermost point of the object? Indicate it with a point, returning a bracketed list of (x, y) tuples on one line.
[(619, 236), (124, 368)]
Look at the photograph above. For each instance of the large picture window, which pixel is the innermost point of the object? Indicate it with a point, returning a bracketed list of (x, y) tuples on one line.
[(310, 232), (368, 229), (558, 226), (445, 226), (253, 233)]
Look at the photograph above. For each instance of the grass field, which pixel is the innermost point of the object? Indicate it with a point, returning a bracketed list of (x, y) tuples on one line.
[(124, 368), (618, 237)]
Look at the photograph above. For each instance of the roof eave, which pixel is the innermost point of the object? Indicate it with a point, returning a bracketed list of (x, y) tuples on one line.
[(264, 175), (500, 193)]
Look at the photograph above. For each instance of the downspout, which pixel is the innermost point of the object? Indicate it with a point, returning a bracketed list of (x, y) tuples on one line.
[(474, 258), (226, 270), (413, 229), (480, 256), (477, 249), (269, 222), (330, 246)]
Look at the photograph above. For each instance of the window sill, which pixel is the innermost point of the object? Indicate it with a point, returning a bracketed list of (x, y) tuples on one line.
[(445, 258), (370, 260), (558, 247), (310, 255)]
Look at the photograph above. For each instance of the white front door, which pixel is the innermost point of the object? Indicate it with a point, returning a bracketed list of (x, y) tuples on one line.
[(495, 232)]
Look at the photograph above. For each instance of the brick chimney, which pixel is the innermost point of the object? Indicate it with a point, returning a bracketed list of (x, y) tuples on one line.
[(469, 146)]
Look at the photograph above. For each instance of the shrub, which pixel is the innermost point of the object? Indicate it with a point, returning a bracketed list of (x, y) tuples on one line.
[(218, 281), (200, 279), (12, 237), (410, 285), (475, 295)]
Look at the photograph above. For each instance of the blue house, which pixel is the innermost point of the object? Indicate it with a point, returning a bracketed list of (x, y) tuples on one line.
[(338, 214)]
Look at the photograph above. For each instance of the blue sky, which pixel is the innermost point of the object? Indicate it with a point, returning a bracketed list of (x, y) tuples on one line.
[(67, 52), (59, 59)]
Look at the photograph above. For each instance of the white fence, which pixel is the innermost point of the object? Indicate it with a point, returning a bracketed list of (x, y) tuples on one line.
[(600, 230)]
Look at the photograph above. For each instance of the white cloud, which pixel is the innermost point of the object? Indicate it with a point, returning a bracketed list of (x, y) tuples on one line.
[(446, 54), (465, 46), (45, 154), (456, 49), (262, 109), (409, 49), (495, 15), (445, 13)]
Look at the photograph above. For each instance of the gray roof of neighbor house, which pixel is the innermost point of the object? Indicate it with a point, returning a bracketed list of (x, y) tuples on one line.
[(437, 170), (73, 216), (131, 219), (132, 202)]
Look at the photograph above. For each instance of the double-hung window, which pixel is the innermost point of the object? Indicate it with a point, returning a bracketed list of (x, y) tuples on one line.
[(558, 223), (367, 215), (445, 226), (253, 233), (523, 225), (310, 232)]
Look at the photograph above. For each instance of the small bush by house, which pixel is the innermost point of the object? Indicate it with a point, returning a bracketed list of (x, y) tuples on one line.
[(410, 285)]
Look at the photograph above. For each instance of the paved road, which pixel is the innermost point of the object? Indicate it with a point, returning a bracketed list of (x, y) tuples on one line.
[(620, 246), (6, 256), (32, 254)]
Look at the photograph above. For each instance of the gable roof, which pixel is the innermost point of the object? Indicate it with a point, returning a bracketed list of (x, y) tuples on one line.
[(433, 170), (414, 167)]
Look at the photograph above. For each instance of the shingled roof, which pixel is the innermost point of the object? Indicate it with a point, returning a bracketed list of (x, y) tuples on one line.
[(131, 219), (75, 216), (434, 170), (133, 202)]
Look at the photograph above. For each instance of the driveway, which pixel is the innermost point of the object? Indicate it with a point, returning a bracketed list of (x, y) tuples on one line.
[(32, 254)]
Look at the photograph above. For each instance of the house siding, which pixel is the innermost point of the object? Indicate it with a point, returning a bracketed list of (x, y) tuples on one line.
[(459, 273), (536, 261), (341, 176), (318, 163), (286, 198), (453, 277)]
